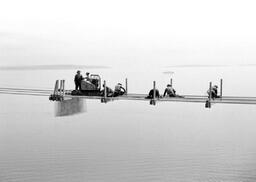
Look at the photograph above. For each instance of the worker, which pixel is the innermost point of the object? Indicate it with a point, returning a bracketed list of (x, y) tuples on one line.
[(151, 94), (108, 90), (78, 79), (170, 91), (87, 77), (214, 92), (119, 90), (215, 89)]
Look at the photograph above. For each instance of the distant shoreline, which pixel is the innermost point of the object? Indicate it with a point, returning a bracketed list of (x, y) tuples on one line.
[(52, 67), (209, 66)]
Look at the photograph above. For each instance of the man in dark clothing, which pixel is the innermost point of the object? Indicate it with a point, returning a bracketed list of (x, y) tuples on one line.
[(78, 79), (170, 91), (151, 94), (214, 92)]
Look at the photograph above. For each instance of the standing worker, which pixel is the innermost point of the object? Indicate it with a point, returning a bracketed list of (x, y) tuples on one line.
[(87, 77), (78, 79)]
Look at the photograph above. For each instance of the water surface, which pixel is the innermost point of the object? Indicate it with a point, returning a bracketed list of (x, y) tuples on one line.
[(129, 140)]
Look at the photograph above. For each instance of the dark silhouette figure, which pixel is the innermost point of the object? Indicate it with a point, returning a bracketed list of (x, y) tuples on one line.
[(169, 91), (119, 90), (78, 79), (87, 77), (151, 94), (109, 91), (214, 92)]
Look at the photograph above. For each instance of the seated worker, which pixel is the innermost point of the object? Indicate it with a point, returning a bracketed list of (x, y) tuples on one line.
[(87, 77), (214, 92), (170, 91), (109, 91), (151, 93), (119, 90), (78, 80)]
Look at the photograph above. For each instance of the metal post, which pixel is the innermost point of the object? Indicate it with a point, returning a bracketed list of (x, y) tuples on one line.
[(208, 101), (221, 83), (63, 87), (126, 86), (210, 89), (153, 100), (104, 99), (208, 105), (154, 93), (60, 89), (56, 87), (105, 90), (171, 81)]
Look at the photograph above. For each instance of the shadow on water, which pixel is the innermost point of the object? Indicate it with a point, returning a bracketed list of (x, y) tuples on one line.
[(70, 107)]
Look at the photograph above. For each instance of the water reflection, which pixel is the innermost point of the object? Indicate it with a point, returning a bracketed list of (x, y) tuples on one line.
[(70, 107)]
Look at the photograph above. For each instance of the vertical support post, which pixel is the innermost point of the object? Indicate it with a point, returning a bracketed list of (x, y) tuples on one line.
[(153, 100), (208, 101), (60, 89), (171, 81), (63, 87), (56, 87), (221, 83), (210, 89), (154, 87), (126, 86), (105, 90), (104, 99), (60, 93), (210, 96)]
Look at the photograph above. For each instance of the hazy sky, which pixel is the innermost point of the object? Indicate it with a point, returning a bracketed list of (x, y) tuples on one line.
[(127, 33)]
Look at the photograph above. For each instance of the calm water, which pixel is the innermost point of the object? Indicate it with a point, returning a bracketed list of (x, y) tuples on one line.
[(128, 140)]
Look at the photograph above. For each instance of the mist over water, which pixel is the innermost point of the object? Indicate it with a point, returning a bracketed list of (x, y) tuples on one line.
[(130, 140)]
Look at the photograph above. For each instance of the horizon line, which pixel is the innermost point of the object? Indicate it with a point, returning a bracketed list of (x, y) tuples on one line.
[(206, 65), (52, 67)]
